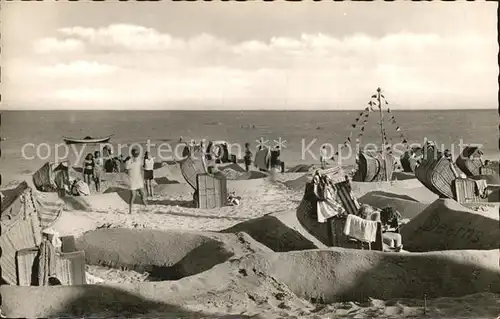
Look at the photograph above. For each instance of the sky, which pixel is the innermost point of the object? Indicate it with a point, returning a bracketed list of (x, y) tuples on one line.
[(248, 55)]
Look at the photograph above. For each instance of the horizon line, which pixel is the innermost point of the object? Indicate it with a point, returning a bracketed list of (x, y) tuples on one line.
[(242, 110)]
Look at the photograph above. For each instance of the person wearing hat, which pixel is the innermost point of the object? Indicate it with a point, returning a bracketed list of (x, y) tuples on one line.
[(133, 167)]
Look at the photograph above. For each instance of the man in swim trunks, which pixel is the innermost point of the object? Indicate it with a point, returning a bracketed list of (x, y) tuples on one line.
[(133, 168)]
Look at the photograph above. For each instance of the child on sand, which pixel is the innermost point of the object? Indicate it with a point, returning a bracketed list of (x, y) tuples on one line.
[(88, 169), (149, 163), (133, 168)]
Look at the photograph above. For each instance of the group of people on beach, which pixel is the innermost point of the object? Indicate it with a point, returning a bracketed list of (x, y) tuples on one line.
[(140, 174)]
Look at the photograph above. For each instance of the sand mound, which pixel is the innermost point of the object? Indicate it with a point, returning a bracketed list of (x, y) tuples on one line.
[(407, 206), (297, 184), (233, 166), (232, 174), (271, 283), (165, 255), (301, 168), (110, 201), (170, 172), (274, 233), (446, 225), (74, 224), (402, 176), (347, 274), (411, 187)]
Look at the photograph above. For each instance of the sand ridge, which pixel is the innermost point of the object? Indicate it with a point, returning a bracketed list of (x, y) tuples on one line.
[(278, 282)]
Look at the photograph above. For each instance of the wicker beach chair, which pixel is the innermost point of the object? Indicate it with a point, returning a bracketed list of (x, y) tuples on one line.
[(374, 167), (470, 161), (447, 180)]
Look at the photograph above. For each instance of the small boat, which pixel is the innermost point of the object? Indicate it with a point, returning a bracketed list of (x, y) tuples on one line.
[(87, 140)]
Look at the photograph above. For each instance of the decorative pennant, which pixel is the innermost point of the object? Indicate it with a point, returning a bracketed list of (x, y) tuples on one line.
[(349, 139), (389, 110), (386, 102), (382, 96), (367, 109), (357, 119), (374, 96), (353, 125), (337, 153), (363, 128), (398, 129)]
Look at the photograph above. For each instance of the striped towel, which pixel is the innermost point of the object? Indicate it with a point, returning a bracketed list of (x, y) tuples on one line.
[(49, 209), (329, 207)]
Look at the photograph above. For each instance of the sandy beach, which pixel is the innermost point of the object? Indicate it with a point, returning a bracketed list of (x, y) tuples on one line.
[(248, 260), (317, 160)]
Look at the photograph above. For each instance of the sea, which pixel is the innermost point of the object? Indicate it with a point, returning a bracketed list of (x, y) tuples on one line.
[(31, 138)]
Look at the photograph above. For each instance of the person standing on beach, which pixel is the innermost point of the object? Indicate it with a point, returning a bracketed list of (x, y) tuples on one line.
[(98, 167), (248, 157), (274, 162), (323, 157), (149, 163), (133, 167), (88, 169)]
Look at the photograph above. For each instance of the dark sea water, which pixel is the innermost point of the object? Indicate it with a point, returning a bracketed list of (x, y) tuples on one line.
[(298, 128)]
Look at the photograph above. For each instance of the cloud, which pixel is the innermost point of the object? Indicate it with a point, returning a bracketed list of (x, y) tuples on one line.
[(142, 66), (84, 94), (54, 45), (77, 68)]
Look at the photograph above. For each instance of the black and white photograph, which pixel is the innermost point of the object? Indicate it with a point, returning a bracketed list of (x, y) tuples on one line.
[(249, 159)]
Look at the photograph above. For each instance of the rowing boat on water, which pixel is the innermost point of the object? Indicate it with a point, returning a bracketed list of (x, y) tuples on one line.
[(86, 140)]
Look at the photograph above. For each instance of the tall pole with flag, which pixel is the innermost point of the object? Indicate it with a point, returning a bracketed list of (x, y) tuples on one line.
[(377, 100), (382, 131)]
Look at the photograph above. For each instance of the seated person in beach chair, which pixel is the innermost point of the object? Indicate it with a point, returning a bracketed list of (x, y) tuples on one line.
[(363, 233), (389, 217), (79, 188)]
